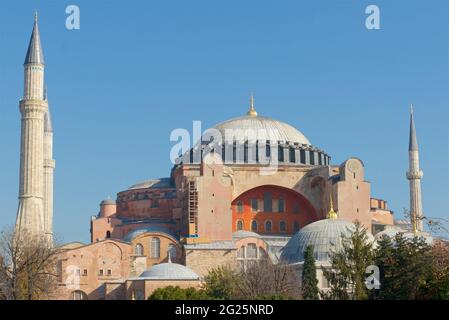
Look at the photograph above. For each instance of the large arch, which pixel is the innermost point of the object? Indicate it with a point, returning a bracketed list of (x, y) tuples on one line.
[(272, 203)]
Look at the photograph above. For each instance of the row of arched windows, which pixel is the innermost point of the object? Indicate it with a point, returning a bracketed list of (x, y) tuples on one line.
[(155, 249), (268, 226), (268, 204)]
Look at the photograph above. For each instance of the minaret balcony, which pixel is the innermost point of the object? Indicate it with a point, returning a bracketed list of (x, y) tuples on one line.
[(413, 175)]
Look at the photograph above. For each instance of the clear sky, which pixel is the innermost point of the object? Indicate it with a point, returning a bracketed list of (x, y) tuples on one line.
[(136, 70)]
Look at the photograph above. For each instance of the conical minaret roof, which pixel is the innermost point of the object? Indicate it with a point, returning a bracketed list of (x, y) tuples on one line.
[(35, 54), (413, 141)]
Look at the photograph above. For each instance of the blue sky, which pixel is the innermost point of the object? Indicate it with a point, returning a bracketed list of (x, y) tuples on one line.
[(136, 70)]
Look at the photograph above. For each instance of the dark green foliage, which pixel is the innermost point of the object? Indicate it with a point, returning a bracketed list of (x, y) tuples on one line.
[(309, 281), (405, 268), (176, 293)]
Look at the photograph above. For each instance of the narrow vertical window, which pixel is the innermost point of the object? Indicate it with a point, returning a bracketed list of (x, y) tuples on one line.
[(254, 226), (295, 226), (282, 226), (268, 226), (267, 202), (239, 225), (254, 205), (240, 206), (281, 205), (155, 248)]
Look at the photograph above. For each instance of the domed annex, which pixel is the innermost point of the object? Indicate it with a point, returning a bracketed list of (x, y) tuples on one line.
[(324, 235), (392, 232), (169, 271)]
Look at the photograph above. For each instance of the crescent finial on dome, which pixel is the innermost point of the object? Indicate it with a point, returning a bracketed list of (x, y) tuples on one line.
[(252, 111), (331, 214)]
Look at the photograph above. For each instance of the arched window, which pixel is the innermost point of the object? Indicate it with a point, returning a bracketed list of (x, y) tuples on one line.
[(268, 226), (172, 250), (254, 226), (108, 234), (78, 295), (138, 250), (155, 248), (282, 226), (296, 226), (239, 225)]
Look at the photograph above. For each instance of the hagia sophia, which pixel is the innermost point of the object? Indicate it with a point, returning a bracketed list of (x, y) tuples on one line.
[(216, 207)]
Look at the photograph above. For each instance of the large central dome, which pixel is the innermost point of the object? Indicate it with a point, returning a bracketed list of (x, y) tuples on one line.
[(265, 128)]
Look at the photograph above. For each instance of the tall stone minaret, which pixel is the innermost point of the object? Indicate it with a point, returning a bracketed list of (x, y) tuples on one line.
[(33, 107), (49, 167), (414, 175)]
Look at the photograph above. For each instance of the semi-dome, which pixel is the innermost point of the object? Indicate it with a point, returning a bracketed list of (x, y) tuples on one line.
[(264, 128), (169, 271), (151, 229), (323, 235)]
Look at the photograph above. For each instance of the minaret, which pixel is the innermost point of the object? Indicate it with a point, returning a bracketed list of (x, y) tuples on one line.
[(33, 107), (414, 175), (49, 167)]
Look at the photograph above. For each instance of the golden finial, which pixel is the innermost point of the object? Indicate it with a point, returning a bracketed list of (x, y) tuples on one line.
[(252, 111), (331, 214)]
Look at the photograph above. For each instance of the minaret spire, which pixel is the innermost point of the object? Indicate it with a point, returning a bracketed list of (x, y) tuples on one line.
[(414, 175), (413, 141), (35, 53), (252, 111)]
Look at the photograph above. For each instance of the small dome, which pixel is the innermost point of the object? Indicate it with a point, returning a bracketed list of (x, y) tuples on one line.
[(244, 234), (108, 202), (407, 234), (323, 235), (169, 271), (265, 129)]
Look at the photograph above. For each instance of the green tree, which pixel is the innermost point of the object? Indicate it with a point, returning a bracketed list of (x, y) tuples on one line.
[(346, 275), (405, 268), (309, 281), (221, 283), (177, 293)]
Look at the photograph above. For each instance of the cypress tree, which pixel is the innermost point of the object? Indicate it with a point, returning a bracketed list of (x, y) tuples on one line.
[(309, 281)]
